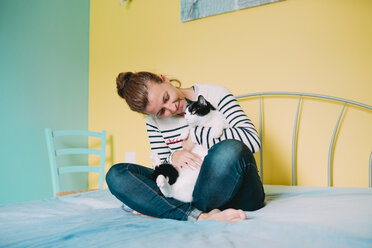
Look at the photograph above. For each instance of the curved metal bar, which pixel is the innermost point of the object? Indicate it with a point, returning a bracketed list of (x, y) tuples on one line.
[(306, 94), (261, 162), (330, 154), (294, 143), (294, 140)]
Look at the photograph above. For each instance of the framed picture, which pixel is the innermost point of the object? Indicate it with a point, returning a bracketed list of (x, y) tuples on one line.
[(194, 9)]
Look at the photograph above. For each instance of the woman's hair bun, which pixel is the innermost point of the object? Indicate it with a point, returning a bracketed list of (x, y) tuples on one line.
[(122, 78), (133, 88)]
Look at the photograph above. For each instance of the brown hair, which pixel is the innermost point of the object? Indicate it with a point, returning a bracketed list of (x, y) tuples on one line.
[(133, 88)]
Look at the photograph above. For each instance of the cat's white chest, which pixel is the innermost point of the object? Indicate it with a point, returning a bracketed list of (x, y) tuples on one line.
[(184, 187)]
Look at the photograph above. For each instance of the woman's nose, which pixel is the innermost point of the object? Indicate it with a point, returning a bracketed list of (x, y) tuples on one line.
[(172, 107)]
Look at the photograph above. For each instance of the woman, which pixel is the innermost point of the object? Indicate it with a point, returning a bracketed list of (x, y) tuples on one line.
[(228, 182)]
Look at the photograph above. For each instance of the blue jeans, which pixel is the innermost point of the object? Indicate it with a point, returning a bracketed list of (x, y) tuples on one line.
[(228, 178)]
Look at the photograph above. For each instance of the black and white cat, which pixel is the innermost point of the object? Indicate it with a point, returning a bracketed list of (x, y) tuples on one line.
[(179, 183)]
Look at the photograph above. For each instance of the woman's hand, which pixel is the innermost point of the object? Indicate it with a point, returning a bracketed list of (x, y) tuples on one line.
[(183, 158), (187, 144)]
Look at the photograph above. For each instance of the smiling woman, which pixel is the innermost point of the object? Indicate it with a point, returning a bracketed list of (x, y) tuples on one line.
[(236, 184), (165, 100), (135, 89)]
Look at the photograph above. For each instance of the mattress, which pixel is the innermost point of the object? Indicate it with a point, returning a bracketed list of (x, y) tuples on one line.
[(293, 216)]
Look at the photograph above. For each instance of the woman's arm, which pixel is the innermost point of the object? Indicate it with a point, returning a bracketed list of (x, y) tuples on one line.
[(179, 158), (241, 127), (157, 142)]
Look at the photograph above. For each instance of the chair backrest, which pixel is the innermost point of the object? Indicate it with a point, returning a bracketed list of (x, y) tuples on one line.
[(53, 153)]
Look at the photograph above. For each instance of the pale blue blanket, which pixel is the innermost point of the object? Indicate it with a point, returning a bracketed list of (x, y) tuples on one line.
[(293, 217)]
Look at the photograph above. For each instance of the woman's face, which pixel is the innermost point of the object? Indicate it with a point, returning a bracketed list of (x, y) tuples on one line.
[(165, 100)]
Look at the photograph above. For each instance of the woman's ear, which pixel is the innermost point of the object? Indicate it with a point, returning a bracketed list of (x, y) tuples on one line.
[(164, 78)]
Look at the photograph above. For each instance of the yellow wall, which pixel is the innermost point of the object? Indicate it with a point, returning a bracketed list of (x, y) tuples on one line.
[(318, 46)]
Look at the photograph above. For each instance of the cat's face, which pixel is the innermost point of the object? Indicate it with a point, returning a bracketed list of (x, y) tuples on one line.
[(195, 109)]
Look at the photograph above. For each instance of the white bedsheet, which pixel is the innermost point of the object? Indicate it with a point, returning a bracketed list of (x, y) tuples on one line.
[(293, 217)]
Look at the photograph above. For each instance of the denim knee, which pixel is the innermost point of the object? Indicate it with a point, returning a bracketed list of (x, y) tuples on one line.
[(229, 150), (116, 173), (227, 153)]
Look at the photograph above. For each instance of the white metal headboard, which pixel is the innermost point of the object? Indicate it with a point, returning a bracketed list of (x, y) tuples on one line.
[(294, 137)]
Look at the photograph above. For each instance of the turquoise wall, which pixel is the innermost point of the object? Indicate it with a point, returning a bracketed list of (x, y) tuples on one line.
[(44, 68)]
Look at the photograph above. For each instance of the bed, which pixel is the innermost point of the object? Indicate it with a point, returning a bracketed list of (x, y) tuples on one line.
[(293, 216)]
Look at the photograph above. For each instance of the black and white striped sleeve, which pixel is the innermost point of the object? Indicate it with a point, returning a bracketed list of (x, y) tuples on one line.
[(157, 142), (241, 127)]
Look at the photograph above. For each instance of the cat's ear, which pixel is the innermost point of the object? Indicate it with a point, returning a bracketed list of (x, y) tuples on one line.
[(202, 100), (188, 101)]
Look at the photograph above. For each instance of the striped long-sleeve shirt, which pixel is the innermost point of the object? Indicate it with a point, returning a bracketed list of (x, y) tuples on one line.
[(164, 133)]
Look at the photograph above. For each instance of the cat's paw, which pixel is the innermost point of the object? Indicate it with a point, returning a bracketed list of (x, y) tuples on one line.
[(193, 139), (184, 134), (160, 181), (154, 158), (216, 132)]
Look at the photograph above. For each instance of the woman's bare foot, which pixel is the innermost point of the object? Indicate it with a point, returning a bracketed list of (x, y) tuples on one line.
[(229, 215)]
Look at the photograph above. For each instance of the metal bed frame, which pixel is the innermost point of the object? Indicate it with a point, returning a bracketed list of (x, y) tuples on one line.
[(296, 121)]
